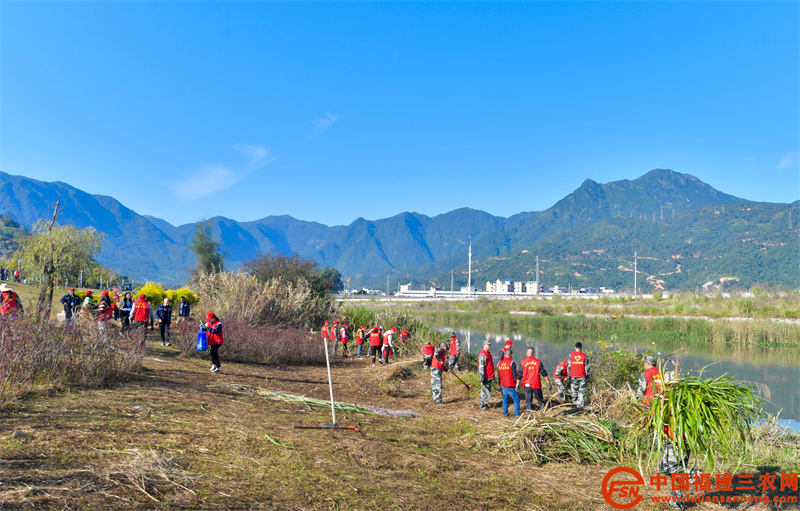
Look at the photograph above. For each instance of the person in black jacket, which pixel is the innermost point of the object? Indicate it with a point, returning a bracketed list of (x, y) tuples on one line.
[(164, 315), (183, 310), (70, 301)]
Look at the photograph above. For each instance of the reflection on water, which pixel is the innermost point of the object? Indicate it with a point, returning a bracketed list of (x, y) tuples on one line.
[(777, 369)]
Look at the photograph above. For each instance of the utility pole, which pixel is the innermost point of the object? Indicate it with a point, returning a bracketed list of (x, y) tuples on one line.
[(662, 212), (469, 272), (635, 263), (81, 278), (387, 285), (452, 272), (538, 289)]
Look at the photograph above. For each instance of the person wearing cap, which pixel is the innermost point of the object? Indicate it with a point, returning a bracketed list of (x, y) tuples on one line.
[(106, 299), (103, 315), (333, 335), (455, 351), (125, 307), (507, 346), (164, 315), (650, 381), (88, 306), (114, 306), (560, 375), (344, 337), (578, 371), (11, 302), (213, 328), (427, 355), (388, 345), (375, 345), (487, 374), (532, 373), (324, 332), (70, 301), (438, 365), (360, 335), (140, 314)]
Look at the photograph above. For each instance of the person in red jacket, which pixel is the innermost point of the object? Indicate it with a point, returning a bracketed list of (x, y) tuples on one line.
[(532, 373), (141, 313), (509, 379), (213, 328), (361, 334), (487, 374), (374, 344), (578, 371), (650, 381), (560, 375), (11, 303), (427, 356), (404, 335)]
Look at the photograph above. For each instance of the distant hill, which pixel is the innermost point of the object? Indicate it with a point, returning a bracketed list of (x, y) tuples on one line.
[(655, 209), (745, 243)]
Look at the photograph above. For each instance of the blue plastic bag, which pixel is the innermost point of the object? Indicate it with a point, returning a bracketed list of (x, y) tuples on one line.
[(202, 340)]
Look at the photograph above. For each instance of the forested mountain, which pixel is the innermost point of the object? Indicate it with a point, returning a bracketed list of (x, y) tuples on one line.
[(742, 244), (659, 210)]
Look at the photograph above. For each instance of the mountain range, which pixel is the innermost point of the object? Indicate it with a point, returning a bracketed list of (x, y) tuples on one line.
[(656, 212)]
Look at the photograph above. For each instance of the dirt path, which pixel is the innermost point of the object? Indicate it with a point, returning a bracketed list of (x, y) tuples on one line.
[(178, 437)]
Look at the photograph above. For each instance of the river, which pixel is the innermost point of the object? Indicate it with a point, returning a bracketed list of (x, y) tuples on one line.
[(775, 370)]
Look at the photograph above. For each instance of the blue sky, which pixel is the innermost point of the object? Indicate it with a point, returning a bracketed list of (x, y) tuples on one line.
[(333, 111)]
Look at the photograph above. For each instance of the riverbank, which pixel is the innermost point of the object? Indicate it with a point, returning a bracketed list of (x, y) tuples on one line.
[(178, 436), (756, 332)]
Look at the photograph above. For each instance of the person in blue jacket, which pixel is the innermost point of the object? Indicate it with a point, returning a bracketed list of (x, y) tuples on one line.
[(70, 301)]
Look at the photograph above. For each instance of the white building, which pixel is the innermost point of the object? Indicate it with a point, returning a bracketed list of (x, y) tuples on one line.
[(500, 286)]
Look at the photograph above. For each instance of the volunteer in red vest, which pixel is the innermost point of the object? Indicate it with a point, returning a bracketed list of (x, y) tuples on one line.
[(427, 355), (509, 379), (324, 331), (333, 336), (455, 351), (404, 335), (374, 344), (578, 371), (344, 336), (104, 314), (213, 328), (361, 334), (532, 373), (560, 375), (438, 365), (388, 345), (506, 346), (487, 374), (11, 303), (650, 381), (141, 313)]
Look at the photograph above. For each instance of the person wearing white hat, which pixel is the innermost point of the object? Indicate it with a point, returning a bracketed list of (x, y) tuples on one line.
[(11, 302)]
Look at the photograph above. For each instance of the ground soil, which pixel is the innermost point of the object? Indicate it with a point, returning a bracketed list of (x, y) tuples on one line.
[(176, 436)]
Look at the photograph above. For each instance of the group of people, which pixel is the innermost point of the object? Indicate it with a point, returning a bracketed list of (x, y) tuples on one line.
[(381, 341), (9, 274), (137, 314), (508, 375)]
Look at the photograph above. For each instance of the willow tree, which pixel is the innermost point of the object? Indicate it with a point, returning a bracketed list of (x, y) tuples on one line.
[(54, 250)]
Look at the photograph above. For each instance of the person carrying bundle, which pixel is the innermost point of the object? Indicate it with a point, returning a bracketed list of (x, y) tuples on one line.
[(427, 355), (388, 345), (438, 365)]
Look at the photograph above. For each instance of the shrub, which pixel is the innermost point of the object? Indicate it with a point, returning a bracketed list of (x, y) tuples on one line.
[(257, 344), (242, 299), (36, 352), (185, 292), (155, 293)]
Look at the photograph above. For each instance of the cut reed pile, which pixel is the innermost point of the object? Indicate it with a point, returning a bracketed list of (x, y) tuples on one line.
[(250, 390)]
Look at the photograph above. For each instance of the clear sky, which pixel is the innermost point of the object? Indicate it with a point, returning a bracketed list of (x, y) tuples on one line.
[(333, 111)]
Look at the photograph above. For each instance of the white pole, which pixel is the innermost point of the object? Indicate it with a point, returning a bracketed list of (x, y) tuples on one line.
[(635, 261), (469, 278), (330, 381)]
